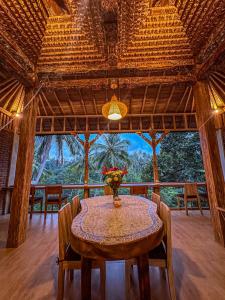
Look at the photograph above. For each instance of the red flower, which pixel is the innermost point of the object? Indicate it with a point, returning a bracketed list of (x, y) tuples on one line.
[(104, 170)]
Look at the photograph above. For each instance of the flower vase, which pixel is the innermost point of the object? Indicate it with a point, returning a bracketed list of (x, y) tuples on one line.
[(116, 199)]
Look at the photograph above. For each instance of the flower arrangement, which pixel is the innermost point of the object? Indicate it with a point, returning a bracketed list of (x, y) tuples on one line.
[(113, 177)]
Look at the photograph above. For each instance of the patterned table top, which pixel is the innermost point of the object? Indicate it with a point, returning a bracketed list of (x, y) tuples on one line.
[(99, 222)]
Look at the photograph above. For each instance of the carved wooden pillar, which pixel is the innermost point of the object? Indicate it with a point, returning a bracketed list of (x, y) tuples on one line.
[(154, 157), (86, 163), (211, 157), (21, 191), (87, 145), (86, 150), (154, 142)]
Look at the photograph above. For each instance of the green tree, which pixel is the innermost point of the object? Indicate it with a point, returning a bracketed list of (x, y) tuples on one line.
[(42, 148), (112, 151), (179, 159), (138, 162)]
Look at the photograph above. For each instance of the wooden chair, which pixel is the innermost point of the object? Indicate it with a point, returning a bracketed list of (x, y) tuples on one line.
[(75, 206), (53, 196), (108, 190), (139, 190), (68, 259), (191, 194), (34, 200), (157, 200), (161, 256)]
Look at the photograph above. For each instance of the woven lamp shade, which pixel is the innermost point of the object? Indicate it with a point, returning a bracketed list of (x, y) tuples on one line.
[(114, 109)]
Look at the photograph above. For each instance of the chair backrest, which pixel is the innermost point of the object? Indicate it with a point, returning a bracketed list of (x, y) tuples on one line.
[(139, 190), (190, 189), (75, 206), (64, 223), (32, 190), (165, 216), (108, 190), (53, 189), (156, 199)]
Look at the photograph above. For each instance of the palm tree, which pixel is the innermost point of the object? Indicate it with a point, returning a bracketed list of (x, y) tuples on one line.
[(112, 151), (79, 165), (42, 148)]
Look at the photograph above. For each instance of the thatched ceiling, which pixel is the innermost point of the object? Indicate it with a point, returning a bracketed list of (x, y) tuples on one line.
[(155, 49)]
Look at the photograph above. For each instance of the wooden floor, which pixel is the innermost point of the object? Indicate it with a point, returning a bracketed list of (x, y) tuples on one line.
[(30, 272)]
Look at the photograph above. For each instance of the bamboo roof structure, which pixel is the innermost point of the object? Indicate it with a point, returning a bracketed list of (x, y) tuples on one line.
[(154, 49)]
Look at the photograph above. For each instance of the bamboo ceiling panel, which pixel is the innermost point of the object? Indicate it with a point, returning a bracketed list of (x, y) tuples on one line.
[(23, 23), (158, 40)]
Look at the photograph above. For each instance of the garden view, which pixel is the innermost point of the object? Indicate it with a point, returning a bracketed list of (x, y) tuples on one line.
[(61, 159)]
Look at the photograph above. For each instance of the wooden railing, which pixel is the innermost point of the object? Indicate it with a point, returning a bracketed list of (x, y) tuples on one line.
[(132, 123), (88, 188)]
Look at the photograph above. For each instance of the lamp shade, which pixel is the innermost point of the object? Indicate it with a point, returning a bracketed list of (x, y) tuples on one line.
[(114, 109)]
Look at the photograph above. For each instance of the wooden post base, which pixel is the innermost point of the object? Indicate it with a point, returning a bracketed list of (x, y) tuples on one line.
[(86, 278), (143, 276)]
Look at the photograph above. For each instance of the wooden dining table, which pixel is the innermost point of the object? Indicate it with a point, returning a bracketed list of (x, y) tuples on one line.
[(102, 232)]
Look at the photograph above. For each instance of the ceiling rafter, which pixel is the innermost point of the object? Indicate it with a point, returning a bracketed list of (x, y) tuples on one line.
[(70, 102), (170, 98), (157, 98), (82, 101)]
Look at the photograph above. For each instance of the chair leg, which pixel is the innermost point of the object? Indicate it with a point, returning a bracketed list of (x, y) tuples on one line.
[(103, 278), (199, 205), (178, 202), (171, 283), (127, 278), (71, 275), (186, 206), (162, 272), (61, 275), (31, 210), (46, 206)]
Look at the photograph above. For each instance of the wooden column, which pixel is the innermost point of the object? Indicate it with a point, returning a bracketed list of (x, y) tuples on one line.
[(87, 145), (86, 154), (154, 142), (20, 196), (211, 157)]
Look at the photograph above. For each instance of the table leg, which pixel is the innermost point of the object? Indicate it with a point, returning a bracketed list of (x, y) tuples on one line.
[(85, 278), (143, 276)]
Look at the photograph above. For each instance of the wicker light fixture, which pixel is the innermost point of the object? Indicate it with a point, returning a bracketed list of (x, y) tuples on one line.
[(114, 109)]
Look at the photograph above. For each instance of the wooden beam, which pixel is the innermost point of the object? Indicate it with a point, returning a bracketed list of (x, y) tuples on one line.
[(21, 191), (183, 98), (46, 100), (59, 104), (157, 98), (123, 81), (211, 157), (132, 123), (82, 102), (144, 99), (188, 99), (70, 102), (94, 102), (169, 99)]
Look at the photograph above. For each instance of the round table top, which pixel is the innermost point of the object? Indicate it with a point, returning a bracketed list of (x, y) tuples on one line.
[(101, 231)]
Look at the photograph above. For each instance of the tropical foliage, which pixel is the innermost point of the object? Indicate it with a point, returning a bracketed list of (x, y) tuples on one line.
[(179, 160), (112, 151), (43, 145)]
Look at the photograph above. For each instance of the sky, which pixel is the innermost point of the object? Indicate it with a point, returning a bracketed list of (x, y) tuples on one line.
[(136, 144)]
